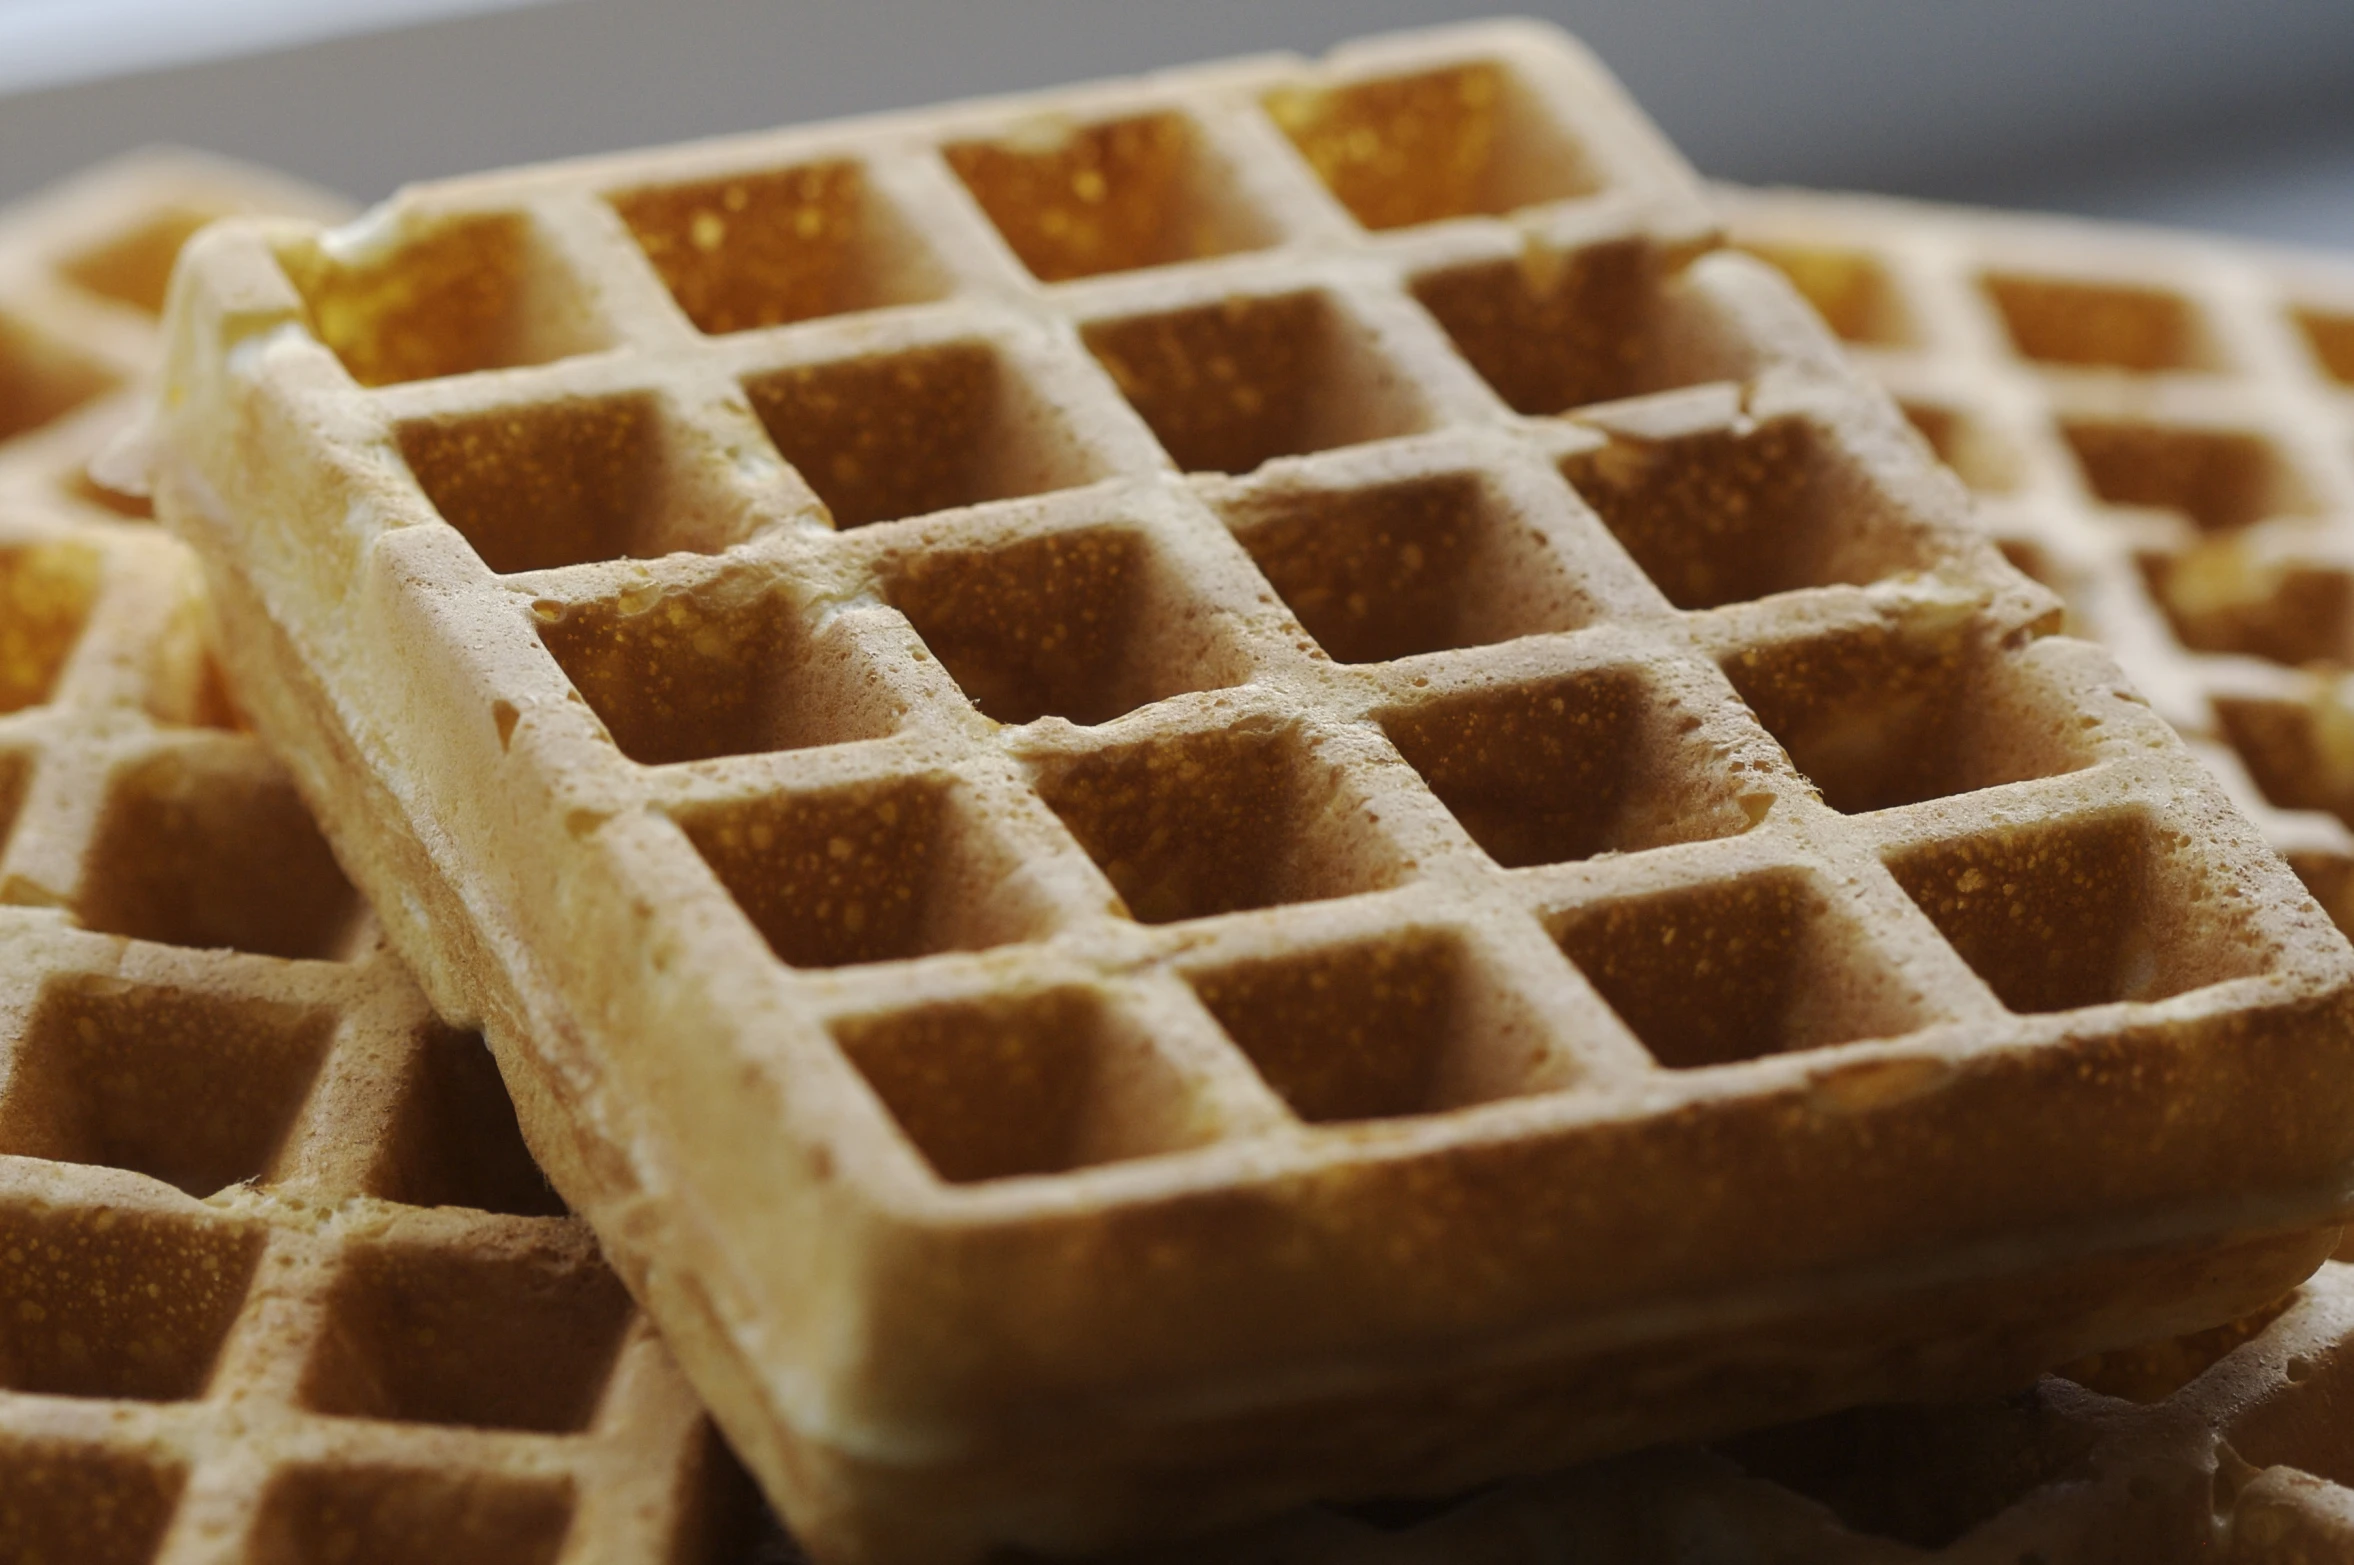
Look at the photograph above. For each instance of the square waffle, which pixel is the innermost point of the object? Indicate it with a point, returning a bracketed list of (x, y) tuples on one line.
[(2159, 426), (1132, 887), (2227, 1447), (278, 1279)]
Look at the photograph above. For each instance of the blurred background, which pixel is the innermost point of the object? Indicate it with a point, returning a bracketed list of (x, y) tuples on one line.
[(2236, 117)]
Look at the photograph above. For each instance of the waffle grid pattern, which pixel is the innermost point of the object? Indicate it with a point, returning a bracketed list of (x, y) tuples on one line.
[(280, 1280), (2158, 426), (830, 662)]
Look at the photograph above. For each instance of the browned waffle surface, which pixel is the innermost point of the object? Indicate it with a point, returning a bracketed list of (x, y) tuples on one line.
[(278, 1279), (1133, 887), (2161, 427), (2228, 1447)]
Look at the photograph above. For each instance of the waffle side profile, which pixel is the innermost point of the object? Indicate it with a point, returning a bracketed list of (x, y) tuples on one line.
[(2227, 1447), (278, 1278), (2159, 426), (1133, 886)]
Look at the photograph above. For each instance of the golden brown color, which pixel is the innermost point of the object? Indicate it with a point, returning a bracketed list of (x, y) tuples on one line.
[(1165, 1108)]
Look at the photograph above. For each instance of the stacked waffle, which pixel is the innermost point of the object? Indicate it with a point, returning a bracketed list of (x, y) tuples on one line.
[(1168, 799), (278, 1279)]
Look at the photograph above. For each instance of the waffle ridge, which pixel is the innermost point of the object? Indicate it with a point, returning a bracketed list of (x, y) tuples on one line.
[(2176, 462), (972, 753), (281, 1280)]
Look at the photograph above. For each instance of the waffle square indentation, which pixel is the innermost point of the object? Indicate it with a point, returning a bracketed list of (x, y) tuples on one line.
[(386, 1515), (96, 1302), (2107, 324), (1562, 769), (730, 667), (2083, 912), (1553, 331), (1217, 822), (1081, 200), (1737, 970), (582, 480), (1410, 1023), (1888, 715), (134, 267), (1724, 517), (196, 1090), (453, 297), (45, 594), (784, 245), (1850, 289), (1981, 458), (1087, 624), (454, 1140), (41, 379), (1034, 1084), (2221, 479), (917, 431), (523, 1340), (2296, 751), (1466, 140), (2330, 334), (1231, 385), (208, 847), (2220, 597), (85, 1504), (866, 873), (1391, 570)]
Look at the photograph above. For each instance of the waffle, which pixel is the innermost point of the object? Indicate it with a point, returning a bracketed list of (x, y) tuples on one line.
[(2156, 425), (281, 1281), (1131, 888), (2230, 1447)]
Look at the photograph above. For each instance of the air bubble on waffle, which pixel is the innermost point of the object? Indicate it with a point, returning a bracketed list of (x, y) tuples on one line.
[(46, 590), (865, 872), (521, 1340), (1738, 969), (2080, 912), (2330, 336), (453, 1139), (1408, 1023), (772, 247), (109, 1302), (733, 665), (1850, 289), (1551, 330), (207, 844), (135, 267), (1920, 1476), (1891, 714), (1555, 770), (1076, 200), (1725, 516), (402, 298), (410, 1516), (1462, 141), (42, 379), (1390, 569), (1228, 386), (2220, 479), (919, 430), (88, 1504), (1221, 821), (1963, 441), (1084, 623), (2108, 325), (533, 488), (194, 1089), (1038, 1083)]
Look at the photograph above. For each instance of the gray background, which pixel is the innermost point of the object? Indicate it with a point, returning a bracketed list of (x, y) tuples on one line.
[(2237, 116)]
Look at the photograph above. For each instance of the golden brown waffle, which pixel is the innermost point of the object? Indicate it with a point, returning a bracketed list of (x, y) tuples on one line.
[(2160, 426), (2231, 1447), (278, 1279), (1088, 999)]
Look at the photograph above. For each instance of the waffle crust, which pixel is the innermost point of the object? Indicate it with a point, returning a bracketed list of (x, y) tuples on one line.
[(278, 1279), (1131, 887)]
